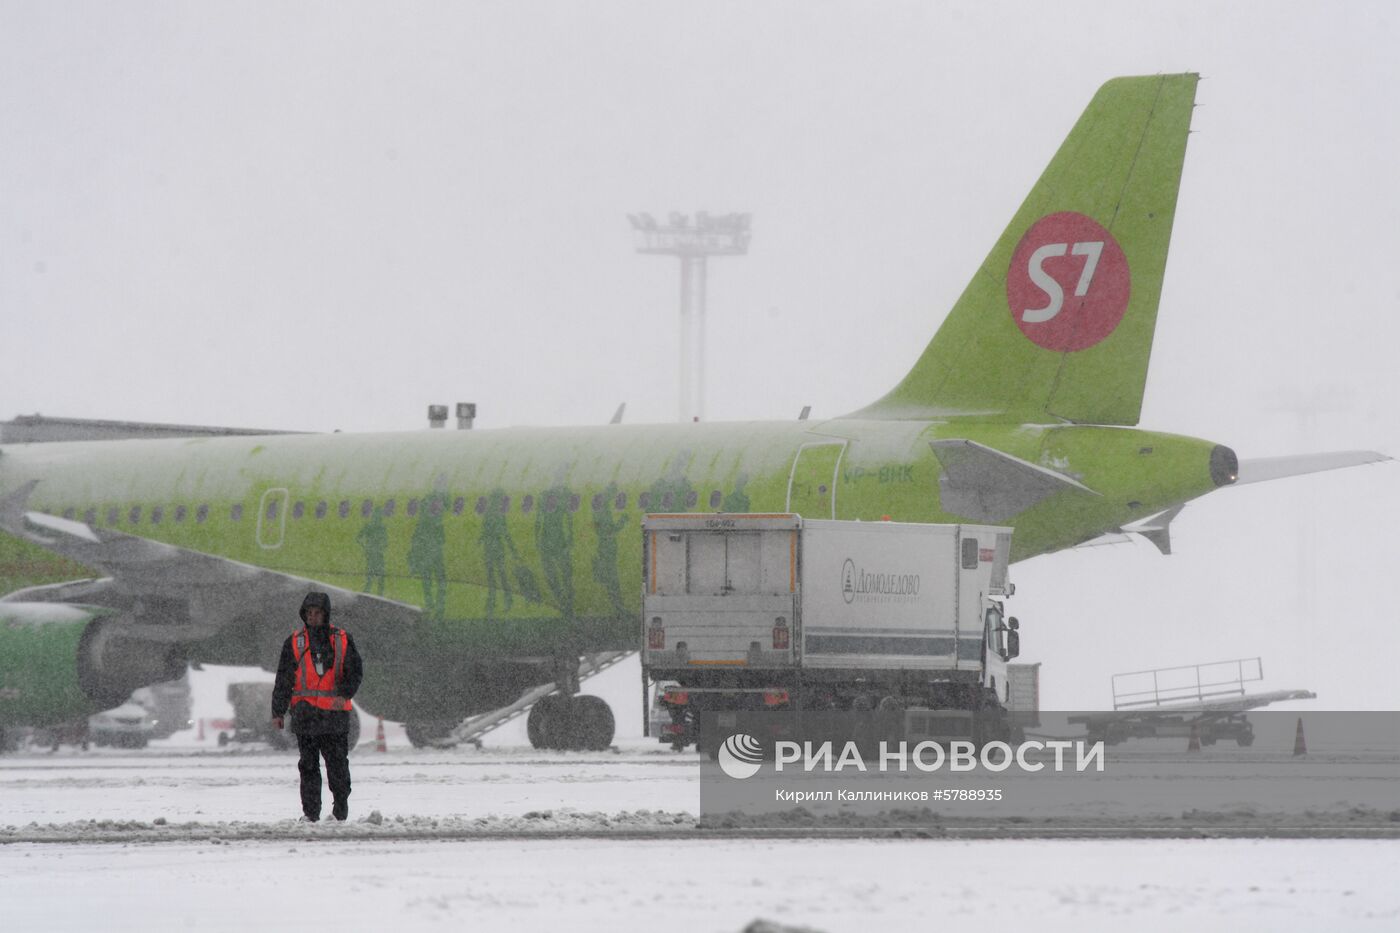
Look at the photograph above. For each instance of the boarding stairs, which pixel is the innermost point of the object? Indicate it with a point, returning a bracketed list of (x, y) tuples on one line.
[(1197, 684), (473, 728)]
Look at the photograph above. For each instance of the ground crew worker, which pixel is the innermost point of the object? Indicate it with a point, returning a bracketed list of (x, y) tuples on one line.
[(317, 674)]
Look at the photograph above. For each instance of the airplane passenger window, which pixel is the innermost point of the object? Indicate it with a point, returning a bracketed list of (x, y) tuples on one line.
[(458, 505), (299, 510), (90, 516), (667, 499), (157, 514), (201, 514), (343, 510), (691, 498), (597, 502), (236, 513), (716, 497), (134, 516), (620, 502), (573, 503), (644, 501), (321, 509), (389, 508), (481, 505), (180, 513), (550, 503), (412, 507), (505, 504), (528, 504), (272, 510), (367, 508), (68, 513), (113, 514)]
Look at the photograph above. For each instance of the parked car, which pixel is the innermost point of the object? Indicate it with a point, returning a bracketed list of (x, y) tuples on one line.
[(128, 726)]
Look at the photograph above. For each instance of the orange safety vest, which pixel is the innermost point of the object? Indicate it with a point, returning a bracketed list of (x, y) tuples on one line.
[(311, 687)]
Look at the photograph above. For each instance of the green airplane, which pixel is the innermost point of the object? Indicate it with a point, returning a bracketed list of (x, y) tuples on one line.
[(474, 565)]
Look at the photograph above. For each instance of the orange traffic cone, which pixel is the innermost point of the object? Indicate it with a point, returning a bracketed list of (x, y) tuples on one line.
[(200, 736), (1300, 746), (1195, 744), (379, 745)]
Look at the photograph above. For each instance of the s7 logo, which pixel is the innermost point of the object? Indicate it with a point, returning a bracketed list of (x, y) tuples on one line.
[(1090, 250)]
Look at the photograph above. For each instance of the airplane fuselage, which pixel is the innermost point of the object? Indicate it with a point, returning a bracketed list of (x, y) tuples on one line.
[(501, 535)]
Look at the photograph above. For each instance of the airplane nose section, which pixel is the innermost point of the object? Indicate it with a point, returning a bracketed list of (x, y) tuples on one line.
[(1224, 466)]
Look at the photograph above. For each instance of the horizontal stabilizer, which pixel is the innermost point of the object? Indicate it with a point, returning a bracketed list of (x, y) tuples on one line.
[(1157, 528), (1266, 468), (986, 485), (1113, 537)]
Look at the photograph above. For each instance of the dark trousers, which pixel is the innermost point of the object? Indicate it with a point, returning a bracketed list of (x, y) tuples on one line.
[(334, 748)]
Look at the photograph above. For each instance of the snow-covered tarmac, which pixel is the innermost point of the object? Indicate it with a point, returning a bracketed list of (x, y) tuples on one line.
[(180, 837)]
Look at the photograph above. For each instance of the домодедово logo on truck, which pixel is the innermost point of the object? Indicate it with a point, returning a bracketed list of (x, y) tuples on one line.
[(857, 584)]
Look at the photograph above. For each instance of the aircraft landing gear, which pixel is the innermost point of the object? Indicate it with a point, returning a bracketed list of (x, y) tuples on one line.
[(426, 734), (571, 723)]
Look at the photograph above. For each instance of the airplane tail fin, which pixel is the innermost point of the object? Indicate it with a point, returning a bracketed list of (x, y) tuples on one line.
[(1057, 324)]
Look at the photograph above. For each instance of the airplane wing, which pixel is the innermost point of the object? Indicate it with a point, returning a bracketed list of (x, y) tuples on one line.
[(987, 485), (1266, 468), (183, 595)]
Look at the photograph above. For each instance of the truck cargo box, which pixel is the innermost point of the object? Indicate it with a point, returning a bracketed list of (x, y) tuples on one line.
[(775, 591)]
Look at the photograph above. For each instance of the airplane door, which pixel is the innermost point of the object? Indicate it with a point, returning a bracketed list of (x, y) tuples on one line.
[(812, 482), (272, 518)]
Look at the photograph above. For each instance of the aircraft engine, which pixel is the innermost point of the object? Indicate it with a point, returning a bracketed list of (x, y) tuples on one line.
[(62, 661), (39, 645), (112, 664)]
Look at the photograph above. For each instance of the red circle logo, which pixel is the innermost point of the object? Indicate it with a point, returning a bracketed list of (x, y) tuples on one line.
[(1068, 284)]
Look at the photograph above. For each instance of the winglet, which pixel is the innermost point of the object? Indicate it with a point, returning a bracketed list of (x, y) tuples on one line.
[(12, 508), (64, 526)]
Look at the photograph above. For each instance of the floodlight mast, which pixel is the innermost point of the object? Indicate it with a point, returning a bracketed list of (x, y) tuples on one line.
[(692, 243)]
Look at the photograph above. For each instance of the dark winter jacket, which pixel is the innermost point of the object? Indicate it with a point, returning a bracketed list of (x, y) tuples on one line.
[(308, 719)]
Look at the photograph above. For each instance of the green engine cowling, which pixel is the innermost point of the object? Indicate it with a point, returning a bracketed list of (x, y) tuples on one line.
[(39, 648)]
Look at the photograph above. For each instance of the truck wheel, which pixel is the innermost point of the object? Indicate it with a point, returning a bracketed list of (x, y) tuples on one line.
[(1245, 739), (223, 739)]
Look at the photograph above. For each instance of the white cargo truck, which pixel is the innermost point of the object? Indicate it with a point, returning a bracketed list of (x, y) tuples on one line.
[(777, 612)]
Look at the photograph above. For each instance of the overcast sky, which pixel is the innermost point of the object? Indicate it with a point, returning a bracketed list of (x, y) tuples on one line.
[(318, 216)]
